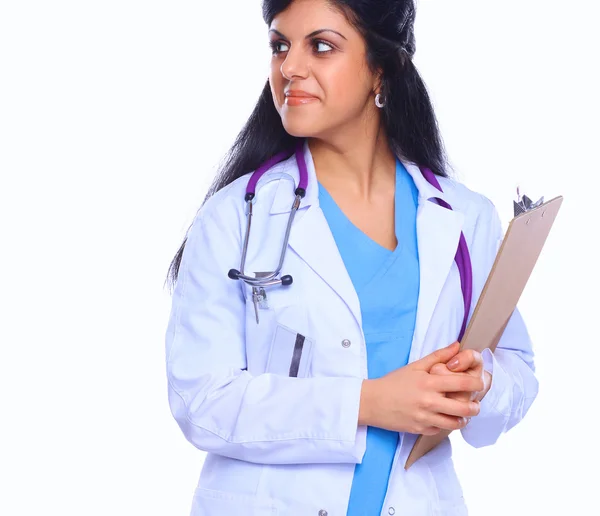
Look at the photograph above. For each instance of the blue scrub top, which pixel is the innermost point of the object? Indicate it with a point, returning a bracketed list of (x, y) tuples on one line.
[(387, 284)]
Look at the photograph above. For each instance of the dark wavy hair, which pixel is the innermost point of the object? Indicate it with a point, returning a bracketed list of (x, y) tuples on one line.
[(387, 27)]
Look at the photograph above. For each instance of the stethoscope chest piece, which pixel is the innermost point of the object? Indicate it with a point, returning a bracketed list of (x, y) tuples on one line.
[(259, 293)]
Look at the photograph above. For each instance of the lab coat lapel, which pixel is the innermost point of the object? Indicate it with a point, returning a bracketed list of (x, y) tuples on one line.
[(312, 240), (438, 234)]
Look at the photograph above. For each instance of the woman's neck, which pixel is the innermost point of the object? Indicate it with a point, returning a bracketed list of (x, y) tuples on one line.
[(356, 166)]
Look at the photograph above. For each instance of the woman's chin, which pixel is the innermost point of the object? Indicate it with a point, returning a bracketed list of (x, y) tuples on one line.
[(299, 128)]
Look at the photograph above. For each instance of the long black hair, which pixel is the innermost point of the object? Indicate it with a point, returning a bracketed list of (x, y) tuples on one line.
[(408, 117)]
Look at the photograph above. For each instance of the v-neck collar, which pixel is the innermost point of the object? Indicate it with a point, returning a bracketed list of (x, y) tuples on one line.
[(400, 195)]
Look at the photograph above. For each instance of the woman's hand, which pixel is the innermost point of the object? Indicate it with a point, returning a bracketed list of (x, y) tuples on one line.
[(467, 361), (411, 399)]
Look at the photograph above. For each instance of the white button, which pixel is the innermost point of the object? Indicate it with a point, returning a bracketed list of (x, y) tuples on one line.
[(391, 511), (322, 512), (346, 343)]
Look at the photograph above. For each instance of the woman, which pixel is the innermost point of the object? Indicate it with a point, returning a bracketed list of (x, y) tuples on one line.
[(309, 396)]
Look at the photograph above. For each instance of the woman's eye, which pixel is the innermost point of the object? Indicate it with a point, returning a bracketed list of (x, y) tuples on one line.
[(279, 46), (320, 45)]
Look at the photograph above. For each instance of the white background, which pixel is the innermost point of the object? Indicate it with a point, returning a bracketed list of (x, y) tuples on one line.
[(113, 117)]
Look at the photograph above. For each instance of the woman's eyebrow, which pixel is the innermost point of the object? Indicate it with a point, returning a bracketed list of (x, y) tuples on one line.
[(312, 34)]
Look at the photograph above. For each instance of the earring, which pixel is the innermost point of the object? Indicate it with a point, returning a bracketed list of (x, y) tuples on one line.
[(378, 102)]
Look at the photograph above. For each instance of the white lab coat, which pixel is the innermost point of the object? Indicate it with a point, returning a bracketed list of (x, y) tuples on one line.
[(287, 446)]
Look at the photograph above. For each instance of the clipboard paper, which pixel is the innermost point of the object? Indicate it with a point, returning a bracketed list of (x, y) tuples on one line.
[(514, 263)]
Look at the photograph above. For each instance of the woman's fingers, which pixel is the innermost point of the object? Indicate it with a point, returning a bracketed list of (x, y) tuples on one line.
[(441, 369), (457, 382), (442, 355), (447, 422), (453, 407), (464, 360)]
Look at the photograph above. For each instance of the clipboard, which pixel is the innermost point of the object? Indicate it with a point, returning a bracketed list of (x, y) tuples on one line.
[(514, 263)]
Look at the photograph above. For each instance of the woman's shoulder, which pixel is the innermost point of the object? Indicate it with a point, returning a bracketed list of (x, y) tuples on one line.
[(229, 201), (467, 201), (482, 226)]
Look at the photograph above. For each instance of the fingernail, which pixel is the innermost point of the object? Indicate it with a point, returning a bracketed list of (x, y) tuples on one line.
[(453, 363)]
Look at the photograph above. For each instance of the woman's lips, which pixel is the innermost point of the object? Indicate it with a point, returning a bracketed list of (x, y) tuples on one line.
[(299, 99)]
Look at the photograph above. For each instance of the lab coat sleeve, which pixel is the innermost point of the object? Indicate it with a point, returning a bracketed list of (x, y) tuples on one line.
[(221, 407), (514, 385)]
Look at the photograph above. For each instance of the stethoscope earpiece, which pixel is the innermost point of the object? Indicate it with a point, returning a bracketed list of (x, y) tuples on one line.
[(234, 274), (287, 280)]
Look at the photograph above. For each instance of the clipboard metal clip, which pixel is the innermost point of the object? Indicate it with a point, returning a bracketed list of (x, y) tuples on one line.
[(523, 204)]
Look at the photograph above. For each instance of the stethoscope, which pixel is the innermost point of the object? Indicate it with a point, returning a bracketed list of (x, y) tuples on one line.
[(269, 279)]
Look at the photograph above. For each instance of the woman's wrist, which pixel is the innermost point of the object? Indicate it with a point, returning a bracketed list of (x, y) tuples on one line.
[(367, 396)]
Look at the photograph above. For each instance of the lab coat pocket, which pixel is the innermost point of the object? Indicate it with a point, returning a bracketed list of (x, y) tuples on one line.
[(449, 490), (209, 502), (290, 353)]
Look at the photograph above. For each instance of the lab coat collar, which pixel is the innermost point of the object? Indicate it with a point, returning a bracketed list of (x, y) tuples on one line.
[(438, 233), (283, 199)]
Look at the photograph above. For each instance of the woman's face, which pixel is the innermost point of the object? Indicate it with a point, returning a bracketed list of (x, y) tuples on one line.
[(319, 75)]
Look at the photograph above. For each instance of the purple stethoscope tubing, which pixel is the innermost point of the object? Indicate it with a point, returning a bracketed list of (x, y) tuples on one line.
[(299, 151), (462, 257)]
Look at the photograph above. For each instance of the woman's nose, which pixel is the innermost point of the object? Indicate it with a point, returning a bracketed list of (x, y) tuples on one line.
[(295, 65)]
